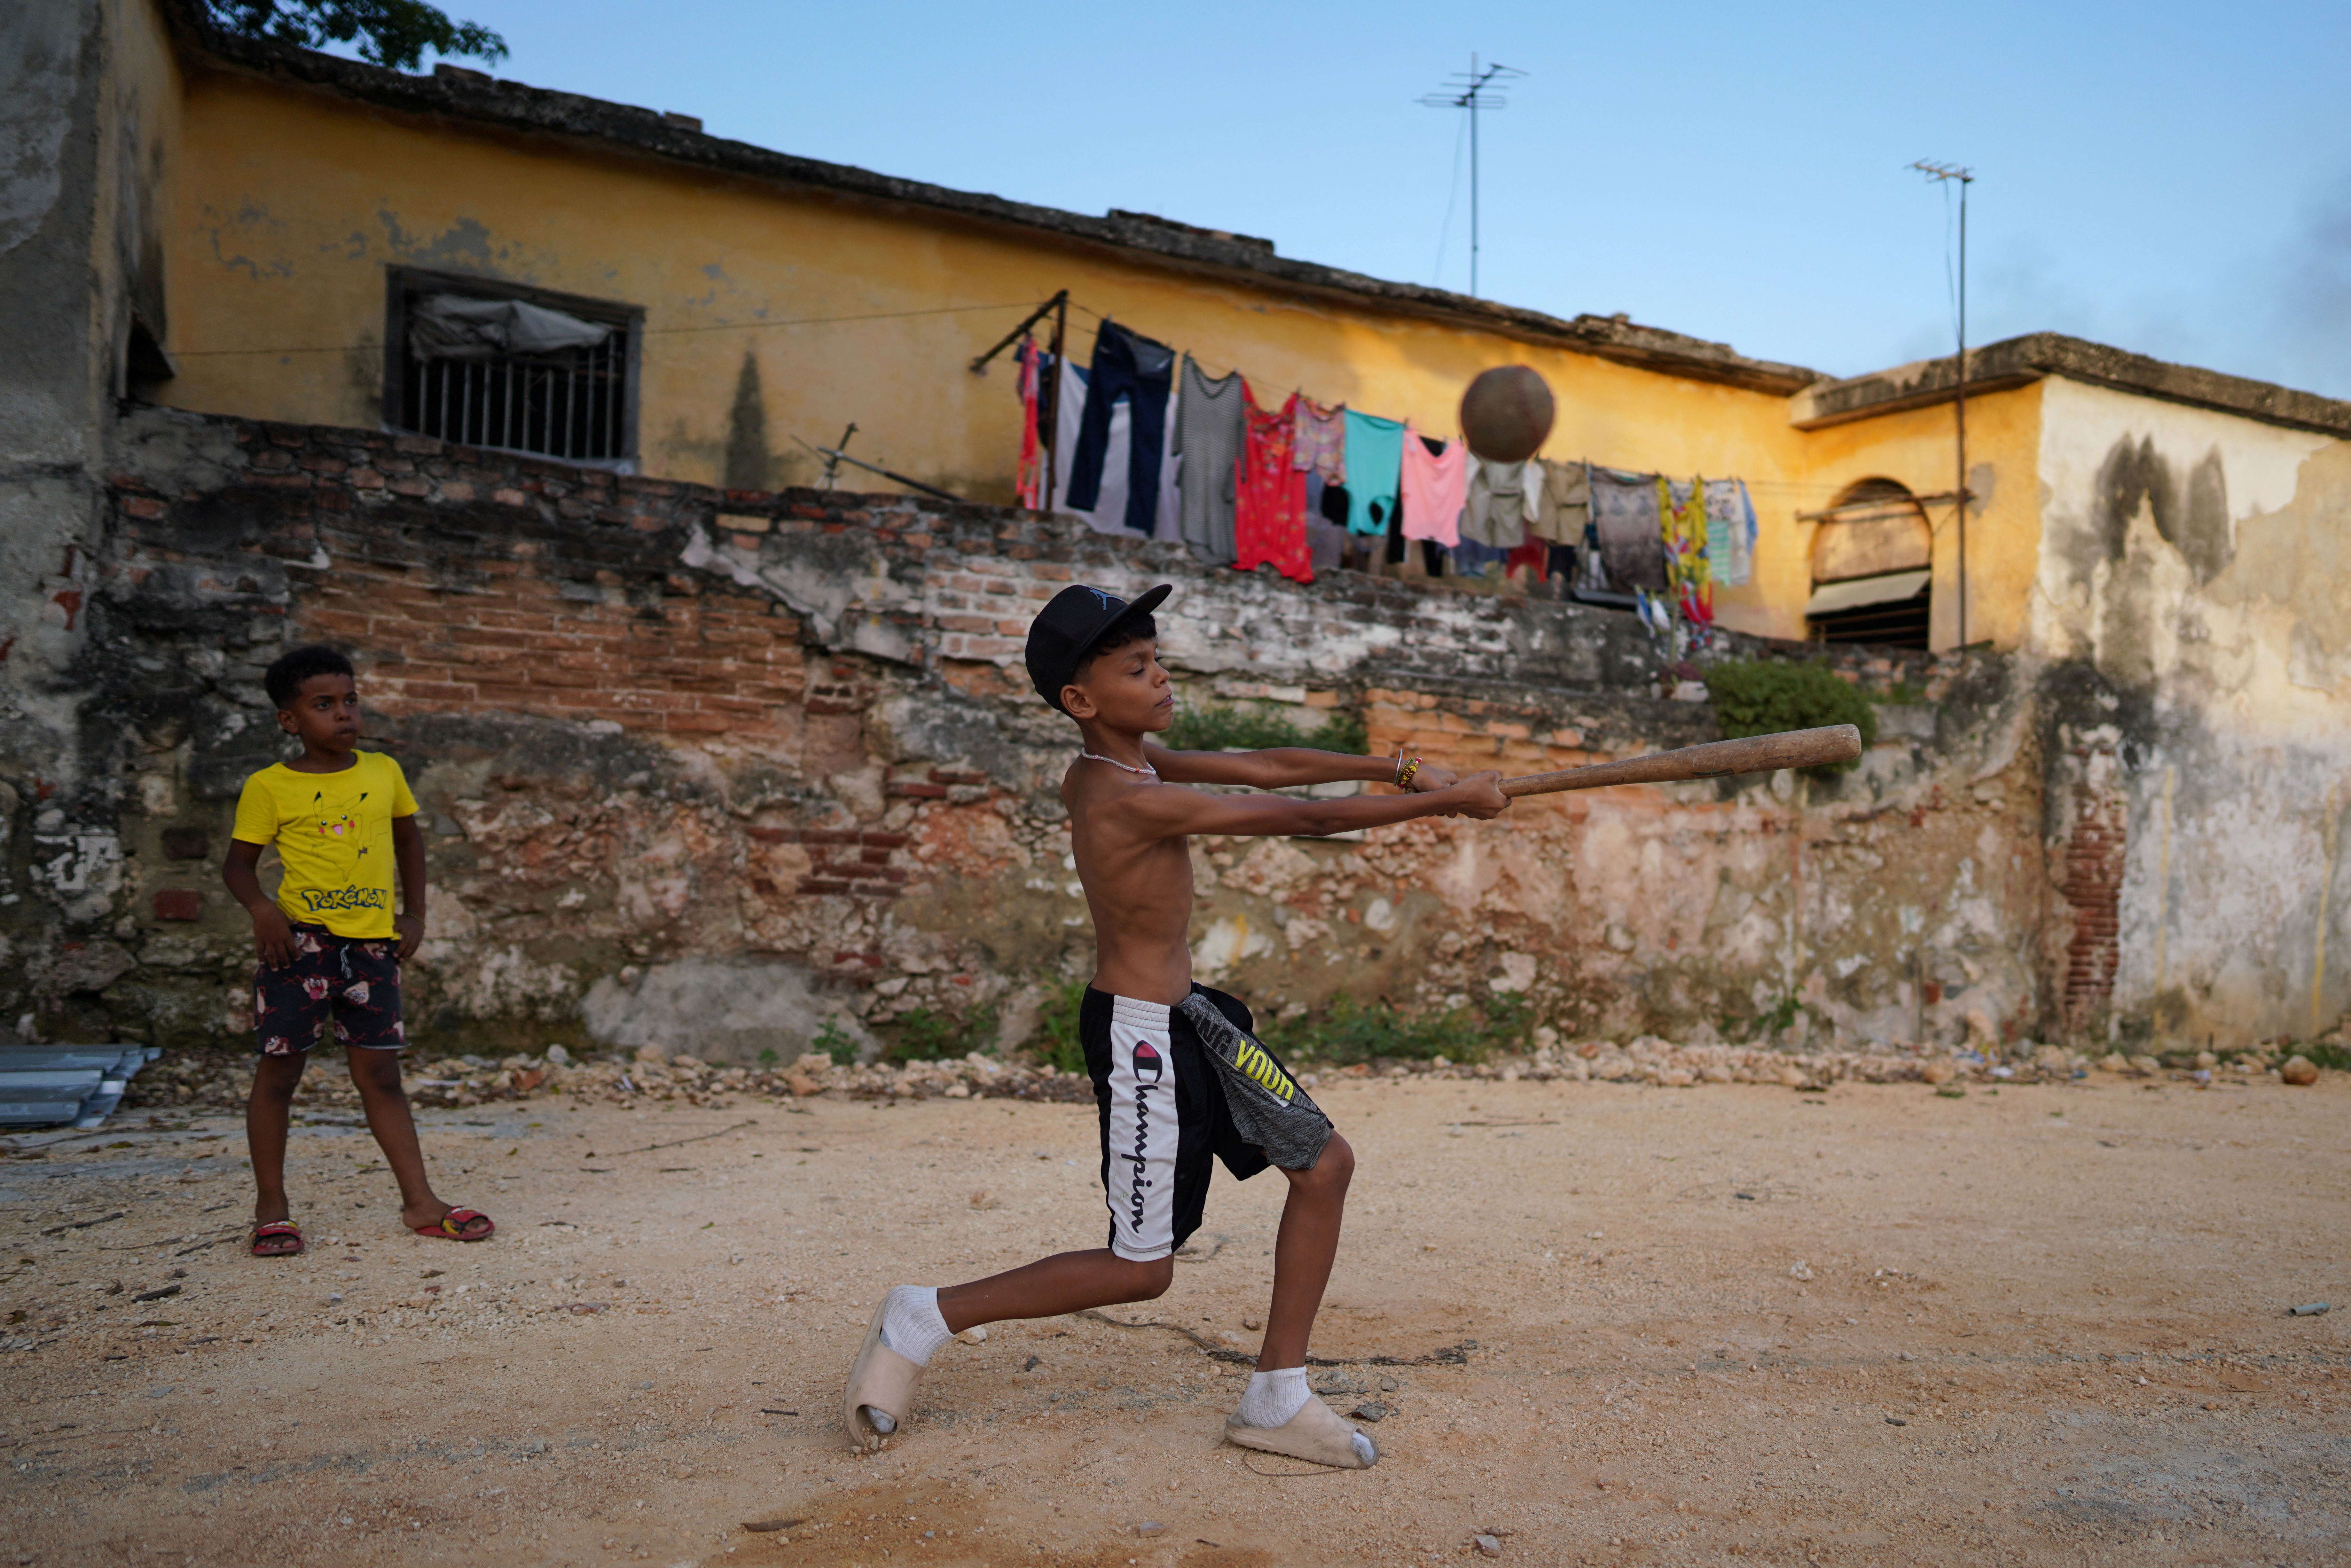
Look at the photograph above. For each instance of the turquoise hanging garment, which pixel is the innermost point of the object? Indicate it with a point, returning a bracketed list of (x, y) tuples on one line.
[(1375, 465)]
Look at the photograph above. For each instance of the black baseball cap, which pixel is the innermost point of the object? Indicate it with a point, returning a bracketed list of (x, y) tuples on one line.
[(1068, 628)]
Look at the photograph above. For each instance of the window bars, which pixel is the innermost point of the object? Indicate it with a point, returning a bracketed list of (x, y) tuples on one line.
[(571, 404)]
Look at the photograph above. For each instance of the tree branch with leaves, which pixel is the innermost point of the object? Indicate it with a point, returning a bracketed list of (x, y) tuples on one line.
[(394, 32)]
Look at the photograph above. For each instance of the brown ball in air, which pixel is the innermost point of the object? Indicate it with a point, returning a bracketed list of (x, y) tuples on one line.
[(1506, 414), (2299, 1070)]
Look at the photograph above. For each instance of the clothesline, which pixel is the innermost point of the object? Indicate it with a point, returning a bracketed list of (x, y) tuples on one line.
[(1151, 440), (1211, 367)]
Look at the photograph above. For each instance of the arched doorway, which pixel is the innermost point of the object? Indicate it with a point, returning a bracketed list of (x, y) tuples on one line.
[(1872, 577)]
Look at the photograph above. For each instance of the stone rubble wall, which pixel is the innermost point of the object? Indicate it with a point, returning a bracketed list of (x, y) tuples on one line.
[(652, 1078), (717, 771)]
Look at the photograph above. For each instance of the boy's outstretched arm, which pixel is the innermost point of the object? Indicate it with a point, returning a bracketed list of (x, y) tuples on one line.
[(1167, 811), (1283, 767)]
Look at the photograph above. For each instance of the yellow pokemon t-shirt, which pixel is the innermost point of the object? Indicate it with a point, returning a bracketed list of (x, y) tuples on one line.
[(333, 832)]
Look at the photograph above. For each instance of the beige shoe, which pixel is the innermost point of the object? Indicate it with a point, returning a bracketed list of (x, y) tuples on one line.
[(1316, 1433), (881, 1388)]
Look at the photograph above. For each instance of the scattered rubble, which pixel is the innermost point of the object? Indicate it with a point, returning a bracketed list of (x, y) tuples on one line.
[(191, 1079)]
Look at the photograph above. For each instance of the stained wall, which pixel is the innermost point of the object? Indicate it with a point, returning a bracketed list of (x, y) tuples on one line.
[(714, 767), (2196, 581)]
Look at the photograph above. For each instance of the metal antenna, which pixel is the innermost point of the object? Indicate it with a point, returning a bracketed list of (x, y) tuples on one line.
[(1941, 173), (1473, 91)]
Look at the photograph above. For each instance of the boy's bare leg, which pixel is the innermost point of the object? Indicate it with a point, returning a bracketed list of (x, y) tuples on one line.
[(377, 1075), (1065, 1282), (1303, 1250), (1279, 1411), (267, 1109)]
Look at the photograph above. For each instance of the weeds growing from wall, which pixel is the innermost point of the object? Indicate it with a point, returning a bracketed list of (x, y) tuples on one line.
[(833, 1043), (1055, 1038), (1763, 696), (1773, 1020), (1348, 1031), (1260, 726), (924, 1035), (1345, 1032)]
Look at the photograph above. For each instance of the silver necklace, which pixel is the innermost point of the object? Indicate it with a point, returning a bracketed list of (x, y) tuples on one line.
[(1115, 762)]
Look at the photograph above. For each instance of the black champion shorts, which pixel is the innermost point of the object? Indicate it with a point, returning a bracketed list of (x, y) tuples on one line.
[(1176, 1086)]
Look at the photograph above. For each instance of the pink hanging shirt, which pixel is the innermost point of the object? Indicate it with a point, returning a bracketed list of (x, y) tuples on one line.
[(1434, 488)]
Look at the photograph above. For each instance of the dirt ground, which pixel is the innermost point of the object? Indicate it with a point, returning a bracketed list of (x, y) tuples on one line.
[(1608, 1323)]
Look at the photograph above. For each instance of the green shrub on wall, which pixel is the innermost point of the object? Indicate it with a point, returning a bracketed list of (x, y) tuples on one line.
[(1259, 727), (1055, 1038), (1761, 696)]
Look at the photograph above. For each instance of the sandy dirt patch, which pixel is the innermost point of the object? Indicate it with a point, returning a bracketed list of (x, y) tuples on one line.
[(1607, 1324)]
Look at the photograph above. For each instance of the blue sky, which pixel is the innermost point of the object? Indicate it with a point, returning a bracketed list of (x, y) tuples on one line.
[(2170, 179)]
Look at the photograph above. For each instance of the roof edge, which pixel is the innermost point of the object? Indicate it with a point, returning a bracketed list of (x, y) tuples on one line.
[(461, 93), (2017, 362)]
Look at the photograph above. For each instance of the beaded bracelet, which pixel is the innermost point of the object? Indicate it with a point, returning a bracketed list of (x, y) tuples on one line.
[(1405, 774)]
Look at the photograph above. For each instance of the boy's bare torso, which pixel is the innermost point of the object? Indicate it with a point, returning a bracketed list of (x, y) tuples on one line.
[(1131, 822), (1138, 885)]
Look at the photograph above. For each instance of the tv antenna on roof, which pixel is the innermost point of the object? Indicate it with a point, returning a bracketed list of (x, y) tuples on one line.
[(1946, 176), (1474, 90)]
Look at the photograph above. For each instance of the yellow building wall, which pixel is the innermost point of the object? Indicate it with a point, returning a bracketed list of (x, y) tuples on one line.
[(1915, 448), (138, 141), (292, 204), (296, 202)]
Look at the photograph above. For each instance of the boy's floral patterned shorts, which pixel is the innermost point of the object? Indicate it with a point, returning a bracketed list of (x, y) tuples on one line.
[(349, 984)]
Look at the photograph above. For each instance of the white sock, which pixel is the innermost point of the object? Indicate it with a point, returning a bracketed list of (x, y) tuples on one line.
[(1273, 1397), (911, 1324)]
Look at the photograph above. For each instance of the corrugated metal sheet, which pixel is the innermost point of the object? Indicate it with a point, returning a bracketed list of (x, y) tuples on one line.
[(43, 1085)]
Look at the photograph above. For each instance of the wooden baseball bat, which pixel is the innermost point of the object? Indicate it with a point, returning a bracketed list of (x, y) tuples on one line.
[(1753, 754)]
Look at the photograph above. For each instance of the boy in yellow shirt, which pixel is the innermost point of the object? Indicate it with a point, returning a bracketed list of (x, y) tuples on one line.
[(330, 943)]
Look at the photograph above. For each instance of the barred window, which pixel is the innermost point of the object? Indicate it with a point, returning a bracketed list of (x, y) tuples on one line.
[(519, 368)]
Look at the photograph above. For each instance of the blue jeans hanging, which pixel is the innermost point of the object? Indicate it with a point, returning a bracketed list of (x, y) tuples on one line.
[(1133, 367)]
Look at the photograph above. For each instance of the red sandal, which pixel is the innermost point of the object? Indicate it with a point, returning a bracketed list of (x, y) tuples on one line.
[(277, 1230), (452, 1226)]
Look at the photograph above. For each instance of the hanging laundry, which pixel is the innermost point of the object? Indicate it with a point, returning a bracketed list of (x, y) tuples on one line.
[(1729, 531), (1269, 517), (1211, 434), (1564, 504), (1028, 479), (1594, 563), (1326, 544), (1532, 557), (1467, 557), (1374, 467), (1321, 441), (1681, 512), (1335, 504), (1108, 515), (1501, 503), (1625, 510), (1326, 523), (1167, 512), (1435, 480), (1131, 369), (1654, 613)]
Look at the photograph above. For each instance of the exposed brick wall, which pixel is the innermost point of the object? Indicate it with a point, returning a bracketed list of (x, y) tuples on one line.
[(473, 583), (661, 723), (2096, 857)]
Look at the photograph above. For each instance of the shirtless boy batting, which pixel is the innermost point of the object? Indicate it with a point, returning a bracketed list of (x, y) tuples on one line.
[(1178, 1075)]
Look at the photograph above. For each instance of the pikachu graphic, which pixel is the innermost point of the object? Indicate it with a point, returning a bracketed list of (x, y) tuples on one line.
[(341, 830)]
